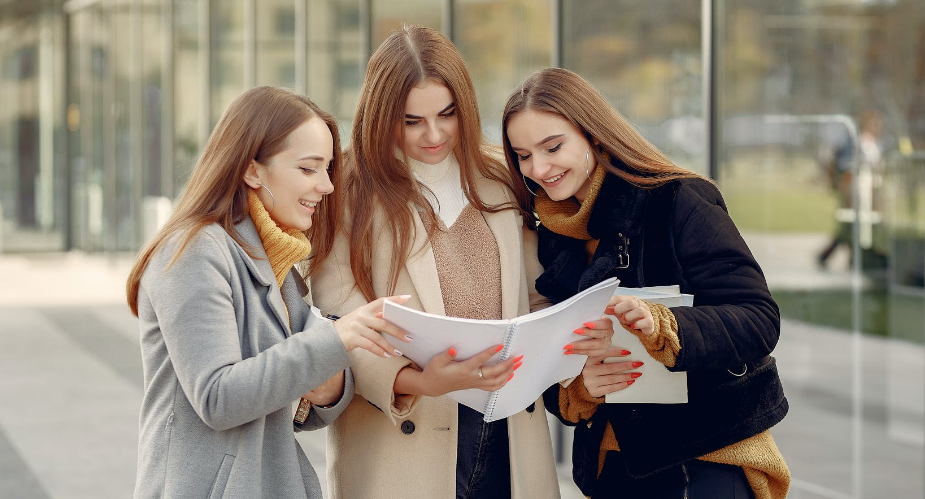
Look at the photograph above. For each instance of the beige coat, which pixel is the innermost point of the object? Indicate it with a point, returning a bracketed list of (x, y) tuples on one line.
[(372, 452)]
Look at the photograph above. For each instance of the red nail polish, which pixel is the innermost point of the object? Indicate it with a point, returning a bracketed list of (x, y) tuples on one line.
[(518, 359), (634, 326), (510, 377), (630, 382), (579, 331), (636, 364), (589, 325), (569, 346), (500, 347), (635, 375), (517, 366), (452, 352), (624, 352), (569, 352)]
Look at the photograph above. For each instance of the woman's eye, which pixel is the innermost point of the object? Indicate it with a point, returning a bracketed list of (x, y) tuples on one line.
[(306, 170), (411, 122), (523, 157), (449, 114), (556, 148)]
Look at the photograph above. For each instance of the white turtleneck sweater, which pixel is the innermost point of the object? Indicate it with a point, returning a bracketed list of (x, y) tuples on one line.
[(446, 196)]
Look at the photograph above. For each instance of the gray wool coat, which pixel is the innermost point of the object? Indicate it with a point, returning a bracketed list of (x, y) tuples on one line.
[(222, 369)]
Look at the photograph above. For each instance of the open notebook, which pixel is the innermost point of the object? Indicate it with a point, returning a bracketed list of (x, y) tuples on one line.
[(538, 336), (657, 385)]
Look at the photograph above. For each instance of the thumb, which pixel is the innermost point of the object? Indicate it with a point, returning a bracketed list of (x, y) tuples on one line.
[(445, 357)]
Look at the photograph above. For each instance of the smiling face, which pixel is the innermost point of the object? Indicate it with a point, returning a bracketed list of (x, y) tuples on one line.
[(430, 125), (297, 176), (552, 152)]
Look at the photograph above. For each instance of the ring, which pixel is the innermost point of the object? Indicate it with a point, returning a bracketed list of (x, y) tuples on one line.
[(480, 373)]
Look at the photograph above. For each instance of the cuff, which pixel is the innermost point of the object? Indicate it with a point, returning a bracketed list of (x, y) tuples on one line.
[(663, 344), (375, 381), (575, 403)]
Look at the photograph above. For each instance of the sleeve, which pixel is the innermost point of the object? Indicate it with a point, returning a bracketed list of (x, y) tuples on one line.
[(734, 318), (320, 417), (533, 269), (334, 291), (192, 301), (572, 403)]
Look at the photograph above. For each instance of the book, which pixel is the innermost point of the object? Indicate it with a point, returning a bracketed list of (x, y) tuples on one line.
[(657, 385), (538, 336)]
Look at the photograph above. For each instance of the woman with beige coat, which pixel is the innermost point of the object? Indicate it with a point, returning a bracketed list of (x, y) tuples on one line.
[(430, 215)]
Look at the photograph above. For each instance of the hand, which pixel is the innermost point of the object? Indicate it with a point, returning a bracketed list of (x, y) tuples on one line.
[(364, 327), (601, 379), (444, 374), (598, 333), (632, 312), (328, 392)]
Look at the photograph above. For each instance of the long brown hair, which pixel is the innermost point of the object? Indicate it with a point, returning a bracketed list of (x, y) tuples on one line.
[(566, 94), (379, 184), (255, 127)]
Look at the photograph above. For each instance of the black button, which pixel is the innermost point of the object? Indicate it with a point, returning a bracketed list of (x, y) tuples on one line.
[(531, 407), (407, 427)]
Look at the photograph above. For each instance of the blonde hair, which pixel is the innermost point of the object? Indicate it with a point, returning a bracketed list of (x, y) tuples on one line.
[(378, 181), (255, 127), (618, 146)]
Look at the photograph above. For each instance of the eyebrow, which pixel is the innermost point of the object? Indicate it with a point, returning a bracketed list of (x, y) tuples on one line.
[(547, 139), (449, 106), (312, 157)]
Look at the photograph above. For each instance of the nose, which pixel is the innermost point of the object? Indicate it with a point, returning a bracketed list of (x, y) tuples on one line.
[(540, 167), (325, 186), (432, 134)]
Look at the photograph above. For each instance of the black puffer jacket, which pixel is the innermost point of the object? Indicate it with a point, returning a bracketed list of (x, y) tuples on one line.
[(679, 233)]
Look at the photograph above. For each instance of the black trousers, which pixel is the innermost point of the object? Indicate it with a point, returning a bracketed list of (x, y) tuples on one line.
[(483, 461), (691, 480)]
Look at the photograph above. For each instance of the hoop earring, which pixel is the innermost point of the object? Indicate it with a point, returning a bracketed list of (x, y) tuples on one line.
[(587, 169), (272, 197), (526, 184)]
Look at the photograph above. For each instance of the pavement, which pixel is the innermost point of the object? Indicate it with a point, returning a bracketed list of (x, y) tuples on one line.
[(71, 387)]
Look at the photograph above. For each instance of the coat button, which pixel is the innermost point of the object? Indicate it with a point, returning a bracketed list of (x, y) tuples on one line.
[(407, 427), (531, 407)]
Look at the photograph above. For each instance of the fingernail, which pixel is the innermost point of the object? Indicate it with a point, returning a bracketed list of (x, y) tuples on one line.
[(634, 326), (452, 352), (518, 359), (386, 355), (636, 364), (569, 346), (517, 366), (589, 325), (398, 352), (635, 375), (500, 347), (625, 352), (404, 296), (408, 337), (569, 352), (579, 331), (510, 377), (630, 382)]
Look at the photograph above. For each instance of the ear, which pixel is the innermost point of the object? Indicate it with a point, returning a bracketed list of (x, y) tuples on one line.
[(251, 176)]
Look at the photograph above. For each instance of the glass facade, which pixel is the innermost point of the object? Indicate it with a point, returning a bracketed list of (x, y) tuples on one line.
[(810, 115)]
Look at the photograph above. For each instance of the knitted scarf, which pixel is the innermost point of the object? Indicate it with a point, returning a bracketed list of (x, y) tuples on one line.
[(284, 247), (569, 217)]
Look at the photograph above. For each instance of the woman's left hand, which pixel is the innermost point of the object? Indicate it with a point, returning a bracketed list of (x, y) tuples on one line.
[(598, 333), (632, 312), (328, 392)]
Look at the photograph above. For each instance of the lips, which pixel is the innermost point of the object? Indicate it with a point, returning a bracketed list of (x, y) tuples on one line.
[(551, 181), (434, 149)]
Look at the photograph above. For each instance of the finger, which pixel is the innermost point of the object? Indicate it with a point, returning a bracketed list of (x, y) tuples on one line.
[(596, 346), (371, 346), (502, 369), (386, 327), (600, 391), (614, 367), (399, 299), (483, 356), (603, 323)]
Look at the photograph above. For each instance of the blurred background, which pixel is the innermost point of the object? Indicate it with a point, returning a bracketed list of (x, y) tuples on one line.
[(810, 115)]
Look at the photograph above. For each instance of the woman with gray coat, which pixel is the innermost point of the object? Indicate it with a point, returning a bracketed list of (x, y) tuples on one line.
[(228, 344)]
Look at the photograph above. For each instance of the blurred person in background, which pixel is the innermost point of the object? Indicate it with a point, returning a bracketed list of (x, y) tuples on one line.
[(610, 204), (430, 213), (228, 343)]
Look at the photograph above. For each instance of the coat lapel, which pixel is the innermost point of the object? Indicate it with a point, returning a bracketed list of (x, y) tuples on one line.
[(262, 271), (422, 268)]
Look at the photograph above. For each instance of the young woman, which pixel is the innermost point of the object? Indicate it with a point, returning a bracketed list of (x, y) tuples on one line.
[(218, 304), (431, 214), (610, 204)]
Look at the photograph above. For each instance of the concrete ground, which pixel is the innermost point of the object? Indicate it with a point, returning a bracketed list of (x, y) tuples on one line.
[(70, 390)]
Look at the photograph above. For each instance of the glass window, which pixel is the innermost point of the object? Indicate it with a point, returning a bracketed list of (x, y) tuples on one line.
[(276, 43), (335, 58), (502, 43), (388, 15), (645, 58), (226, 70), (187, 95)]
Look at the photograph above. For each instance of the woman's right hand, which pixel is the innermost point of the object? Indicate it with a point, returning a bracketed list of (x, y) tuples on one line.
[(602, 378), (444, 374), (364, 327)]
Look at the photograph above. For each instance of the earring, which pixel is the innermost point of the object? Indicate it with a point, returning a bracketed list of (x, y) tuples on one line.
[(527, 185), (272, 197), (587, 169)]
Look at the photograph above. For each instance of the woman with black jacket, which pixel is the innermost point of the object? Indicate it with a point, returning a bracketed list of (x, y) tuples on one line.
[(610, 204)]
